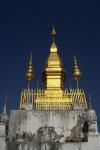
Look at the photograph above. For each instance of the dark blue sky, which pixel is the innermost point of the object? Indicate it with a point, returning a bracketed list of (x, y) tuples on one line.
[(26, 25)]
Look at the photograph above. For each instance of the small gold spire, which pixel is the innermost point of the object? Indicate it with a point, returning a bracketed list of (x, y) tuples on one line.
[(53, 31), (53, 46), (29, 73), (76, 71)]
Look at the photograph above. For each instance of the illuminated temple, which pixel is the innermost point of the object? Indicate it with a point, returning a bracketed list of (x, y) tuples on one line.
[(51, 118)]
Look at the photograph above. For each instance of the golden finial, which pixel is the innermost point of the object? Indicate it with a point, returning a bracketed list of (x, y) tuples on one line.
[(76, 71), (53, 31), (29, 74), (53, 46)]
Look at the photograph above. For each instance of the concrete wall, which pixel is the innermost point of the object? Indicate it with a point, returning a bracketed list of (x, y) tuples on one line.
[(30, 121), (61, 123), (2, 137), (92, 144)]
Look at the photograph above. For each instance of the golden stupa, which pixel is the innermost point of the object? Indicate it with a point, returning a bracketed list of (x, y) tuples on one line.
[(54, 96)]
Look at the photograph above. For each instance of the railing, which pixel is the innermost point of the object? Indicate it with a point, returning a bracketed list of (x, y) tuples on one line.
[(47, 100)]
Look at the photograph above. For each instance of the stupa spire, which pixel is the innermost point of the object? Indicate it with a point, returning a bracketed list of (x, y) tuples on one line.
[(29, 73), (4, 116), (76, 73), (53, 73), (53, 46), (26, 98), (53, 31)]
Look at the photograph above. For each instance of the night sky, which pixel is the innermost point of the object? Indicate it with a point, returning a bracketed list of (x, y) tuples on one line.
[(26, 26)]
